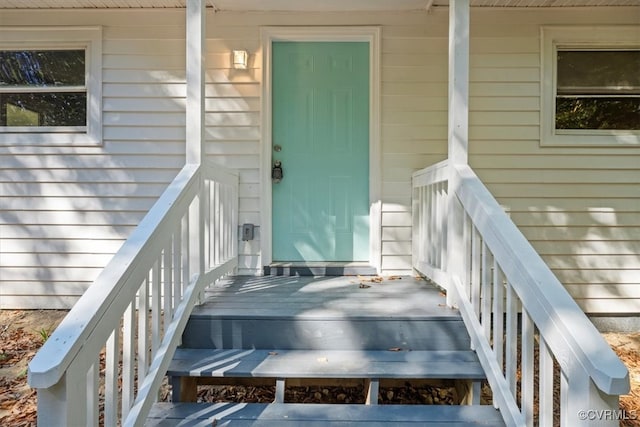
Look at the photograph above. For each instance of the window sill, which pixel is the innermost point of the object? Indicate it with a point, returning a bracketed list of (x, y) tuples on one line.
[(58, 139), (591, 139)]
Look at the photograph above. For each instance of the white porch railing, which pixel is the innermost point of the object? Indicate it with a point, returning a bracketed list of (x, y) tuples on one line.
[(105, 362), (504, 279)]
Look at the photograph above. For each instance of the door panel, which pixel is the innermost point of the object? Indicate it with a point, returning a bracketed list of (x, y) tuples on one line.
[(321, 126)]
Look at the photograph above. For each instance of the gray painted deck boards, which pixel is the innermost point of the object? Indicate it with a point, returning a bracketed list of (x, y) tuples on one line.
[(325, 297), (330, 313), (326, 364), (267, 415)]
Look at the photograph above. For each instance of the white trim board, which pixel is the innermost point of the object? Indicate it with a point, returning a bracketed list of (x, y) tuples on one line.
[(371, 35)]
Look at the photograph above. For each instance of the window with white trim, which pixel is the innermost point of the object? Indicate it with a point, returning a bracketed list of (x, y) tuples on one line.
[(50, 86), (590, 86)]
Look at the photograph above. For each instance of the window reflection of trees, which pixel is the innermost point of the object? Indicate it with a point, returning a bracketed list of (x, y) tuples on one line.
[(43, 88), (598, 89)]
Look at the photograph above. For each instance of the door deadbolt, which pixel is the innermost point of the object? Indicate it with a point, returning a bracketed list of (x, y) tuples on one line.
[(276, 172)]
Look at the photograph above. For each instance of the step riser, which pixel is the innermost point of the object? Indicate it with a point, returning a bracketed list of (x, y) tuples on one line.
[(318, 271), (329, 334)]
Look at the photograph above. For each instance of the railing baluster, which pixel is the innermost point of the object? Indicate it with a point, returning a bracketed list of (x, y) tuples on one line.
[(219, 223), (177, 265), (112, 367), (167, 284), (128, 359), (424, 249), (93, 398), (216, 223), (545, 393), (485, 294), (565, 416), (206, 223), (184, 262), (235, 212), (224, 225), (527, 368), (498, 313), (143, 328), (230, 222), (466, 243), (443, 224), (156, 309), (430, 224), (437, 232), (511, 343), (201, 199), (476, 263)]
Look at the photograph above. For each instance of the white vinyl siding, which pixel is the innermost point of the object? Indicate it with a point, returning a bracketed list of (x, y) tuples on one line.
[(65, 210), (578, 205)]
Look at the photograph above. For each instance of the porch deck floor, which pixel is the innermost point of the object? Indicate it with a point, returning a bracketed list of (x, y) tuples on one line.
[(325, 297)]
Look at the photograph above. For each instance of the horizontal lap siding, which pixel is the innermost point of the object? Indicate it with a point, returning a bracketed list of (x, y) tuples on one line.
[(65, 211), (233, 120), (579, 207), (414, 122)]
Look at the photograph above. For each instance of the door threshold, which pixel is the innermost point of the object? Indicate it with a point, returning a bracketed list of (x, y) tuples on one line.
[(319, 268)]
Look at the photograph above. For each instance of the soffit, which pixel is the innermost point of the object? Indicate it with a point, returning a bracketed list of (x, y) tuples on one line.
[(302, 5)]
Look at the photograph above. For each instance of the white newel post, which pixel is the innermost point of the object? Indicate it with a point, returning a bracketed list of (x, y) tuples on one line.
[(582, 404), (458, 132)]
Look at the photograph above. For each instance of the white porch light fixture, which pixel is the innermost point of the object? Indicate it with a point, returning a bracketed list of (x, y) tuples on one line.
[(240, 59)]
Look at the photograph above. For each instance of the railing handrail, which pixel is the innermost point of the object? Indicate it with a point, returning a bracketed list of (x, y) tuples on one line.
[(438, 172), (558, 317), (83, 320)]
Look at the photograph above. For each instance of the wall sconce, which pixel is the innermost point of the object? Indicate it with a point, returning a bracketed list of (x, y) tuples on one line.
[(240, 59)]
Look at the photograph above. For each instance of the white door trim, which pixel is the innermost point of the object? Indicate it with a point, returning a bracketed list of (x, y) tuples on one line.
[(372, 35)]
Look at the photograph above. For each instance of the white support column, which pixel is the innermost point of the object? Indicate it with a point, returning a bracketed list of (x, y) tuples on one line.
[(458, 134), (195, 64), (195, 153), (458, 81)]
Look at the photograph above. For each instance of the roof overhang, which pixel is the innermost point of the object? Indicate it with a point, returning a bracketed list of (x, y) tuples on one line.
[(302, 5)]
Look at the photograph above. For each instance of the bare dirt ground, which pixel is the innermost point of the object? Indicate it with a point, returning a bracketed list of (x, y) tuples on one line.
[(22, 333)]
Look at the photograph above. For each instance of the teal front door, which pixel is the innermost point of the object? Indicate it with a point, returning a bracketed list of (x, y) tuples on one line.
[(321, 138)]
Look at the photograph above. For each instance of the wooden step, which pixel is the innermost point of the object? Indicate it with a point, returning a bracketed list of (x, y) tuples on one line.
[(320, 415), (394, 363), (190, 367), (340, 313)]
